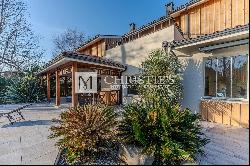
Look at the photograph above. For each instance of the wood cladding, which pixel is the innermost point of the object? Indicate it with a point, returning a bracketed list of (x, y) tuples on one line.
[(234, 114), (214, 15), (96, 49)]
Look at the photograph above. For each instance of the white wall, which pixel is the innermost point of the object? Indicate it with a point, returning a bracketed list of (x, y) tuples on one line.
[(132, 54), (135, 52), (193, 73)]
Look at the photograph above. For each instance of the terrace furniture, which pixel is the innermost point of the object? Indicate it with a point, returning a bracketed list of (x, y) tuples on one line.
[(14, 115)]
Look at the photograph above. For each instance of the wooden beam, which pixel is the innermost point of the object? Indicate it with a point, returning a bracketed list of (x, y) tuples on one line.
[(48, 86), (74, 95), (58, 96)]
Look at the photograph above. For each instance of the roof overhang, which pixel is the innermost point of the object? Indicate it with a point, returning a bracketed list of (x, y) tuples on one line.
[(80, 59), (187, 7), (230, 40)]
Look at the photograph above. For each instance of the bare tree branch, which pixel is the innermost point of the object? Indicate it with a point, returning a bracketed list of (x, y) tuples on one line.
[(69, 40), (18, 45)]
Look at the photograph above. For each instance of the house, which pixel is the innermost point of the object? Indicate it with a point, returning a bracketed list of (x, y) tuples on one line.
[(211, 39)]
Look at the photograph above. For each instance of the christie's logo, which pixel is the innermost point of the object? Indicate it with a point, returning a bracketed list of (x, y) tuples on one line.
[(86, 82)]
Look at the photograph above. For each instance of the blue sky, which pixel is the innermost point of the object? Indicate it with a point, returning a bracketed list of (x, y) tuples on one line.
[(51, 17)]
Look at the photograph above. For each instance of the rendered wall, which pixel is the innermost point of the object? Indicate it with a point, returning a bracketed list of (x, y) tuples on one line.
[(132, 54)]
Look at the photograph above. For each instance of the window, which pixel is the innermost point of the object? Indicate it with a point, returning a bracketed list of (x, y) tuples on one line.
[(210, 77), (132, 86), (239, 73), (226, 77)]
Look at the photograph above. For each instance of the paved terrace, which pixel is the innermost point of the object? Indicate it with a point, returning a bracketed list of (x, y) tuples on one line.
[(26, 142)]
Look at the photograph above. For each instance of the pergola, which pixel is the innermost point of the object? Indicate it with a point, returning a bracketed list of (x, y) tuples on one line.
[(62, 70)]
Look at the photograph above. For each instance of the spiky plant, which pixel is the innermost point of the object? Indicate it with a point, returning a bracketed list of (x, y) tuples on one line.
[(163, 131), (85, 130)]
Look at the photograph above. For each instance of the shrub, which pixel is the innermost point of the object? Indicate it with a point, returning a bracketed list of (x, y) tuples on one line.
[(85, 131), (163, 131), (4, 82), (164, 69), (24, 90), (158, 125)]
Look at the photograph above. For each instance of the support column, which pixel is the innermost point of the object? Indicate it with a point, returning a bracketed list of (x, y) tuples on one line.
[(120, 92), (58, 95), (66, 86), (48, 86), (74, 94)]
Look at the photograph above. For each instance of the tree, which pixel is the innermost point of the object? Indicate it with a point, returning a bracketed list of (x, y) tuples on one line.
[(18, 44), (69, 40), (162, 78)]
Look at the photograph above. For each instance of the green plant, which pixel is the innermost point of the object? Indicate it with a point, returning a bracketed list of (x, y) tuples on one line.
[(4, 82), (85, 131), (24, 90), (161, 78), (158, 124), (169, 134)]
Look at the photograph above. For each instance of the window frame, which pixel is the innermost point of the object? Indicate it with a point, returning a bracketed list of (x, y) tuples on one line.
[(131, 94), (231, 78)]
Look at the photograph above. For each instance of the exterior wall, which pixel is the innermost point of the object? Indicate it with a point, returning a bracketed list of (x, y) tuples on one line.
[(135, 52), (193, 73), (214, 15)]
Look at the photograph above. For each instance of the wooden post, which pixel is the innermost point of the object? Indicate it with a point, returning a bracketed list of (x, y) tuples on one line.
[(48, 86), (120, 92), (66, 86), (74, 95), (58, 96)]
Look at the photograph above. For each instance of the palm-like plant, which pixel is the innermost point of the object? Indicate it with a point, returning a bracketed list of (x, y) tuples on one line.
[(85, 130), (163, 131)]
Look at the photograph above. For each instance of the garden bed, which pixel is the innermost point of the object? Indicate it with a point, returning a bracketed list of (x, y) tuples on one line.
[(108, 158)]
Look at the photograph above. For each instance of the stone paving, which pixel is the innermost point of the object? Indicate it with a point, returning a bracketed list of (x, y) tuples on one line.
[(228, 145), (27, 142)]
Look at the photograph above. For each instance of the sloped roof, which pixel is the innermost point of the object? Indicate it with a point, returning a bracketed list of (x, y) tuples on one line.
[(98, 37), (225, 32), (163, 18), (84, 59)]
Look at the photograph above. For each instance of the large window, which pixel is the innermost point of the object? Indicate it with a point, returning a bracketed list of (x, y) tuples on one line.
[(226, 77)]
